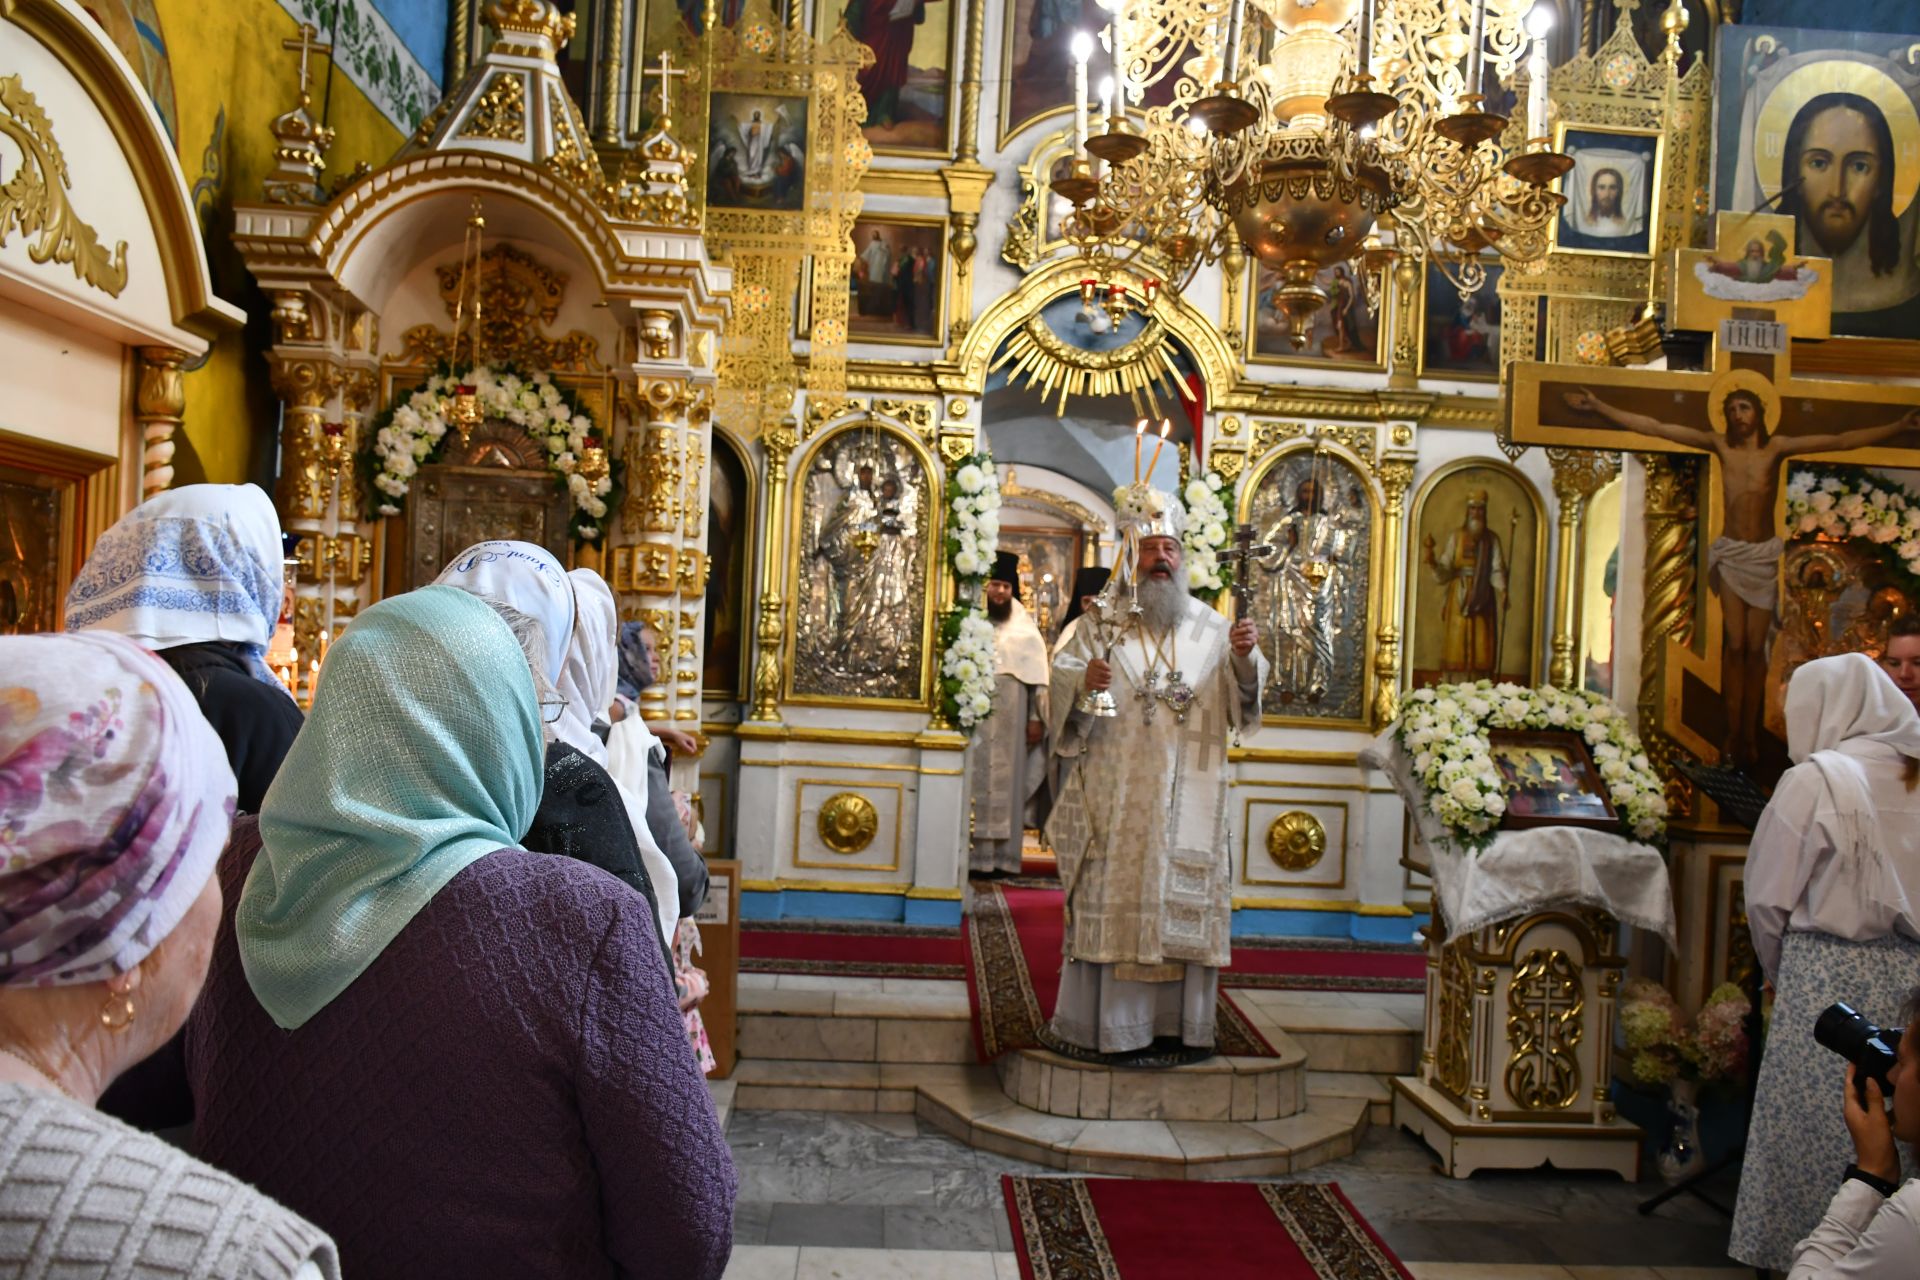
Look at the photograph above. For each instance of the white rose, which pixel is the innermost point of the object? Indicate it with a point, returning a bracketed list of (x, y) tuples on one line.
[(966, 564), (969, 479)]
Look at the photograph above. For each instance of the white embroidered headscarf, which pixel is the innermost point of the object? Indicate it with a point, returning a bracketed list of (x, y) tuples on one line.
[(592, 664), (525, 577), (1835, 706), (190, 565)]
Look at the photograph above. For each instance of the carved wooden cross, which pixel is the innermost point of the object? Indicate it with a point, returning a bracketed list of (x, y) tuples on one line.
[(306, 45), (1751, 295), (1241, 558), (667, 75)]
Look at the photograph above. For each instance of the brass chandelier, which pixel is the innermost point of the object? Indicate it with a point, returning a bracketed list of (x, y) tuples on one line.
[(1313, 132)]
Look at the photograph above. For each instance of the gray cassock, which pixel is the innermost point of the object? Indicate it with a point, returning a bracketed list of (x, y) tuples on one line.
[(1140, 831), (1005, 771)]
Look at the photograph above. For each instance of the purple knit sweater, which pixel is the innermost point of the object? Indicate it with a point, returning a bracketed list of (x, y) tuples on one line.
[(507, 1091)]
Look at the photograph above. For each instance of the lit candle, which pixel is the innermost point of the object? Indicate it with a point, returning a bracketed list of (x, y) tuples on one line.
[(1166, 428), (313, 680), (1139, 432), (1106, 96), (326, 637), (1082, 50), (1539, 23)]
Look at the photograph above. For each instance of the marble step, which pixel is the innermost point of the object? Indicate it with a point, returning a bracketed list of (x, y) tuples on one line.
[(855, 1025), (968, 1103), (1221, 1088), (1376, 1090)]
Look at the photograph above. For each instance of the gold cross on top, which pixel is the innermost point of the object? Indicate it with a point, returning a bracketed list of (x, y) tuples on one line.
[(667, 73), (307, 45)]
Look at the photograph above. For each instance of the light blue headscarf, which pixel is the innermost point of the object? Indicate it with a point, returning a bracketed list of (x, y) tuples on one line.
[(423, 753)]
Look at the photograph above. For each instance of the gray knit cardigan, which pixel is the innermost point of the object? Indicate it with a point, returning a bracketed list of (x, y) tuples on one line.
[(84, 1196)]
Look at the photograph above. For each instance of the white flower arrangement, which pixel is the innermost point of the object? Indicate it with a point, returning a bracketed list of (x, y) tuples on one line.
[(1444, 731), (415, 430), (1823, 504), (1209, 528), (967, 667)]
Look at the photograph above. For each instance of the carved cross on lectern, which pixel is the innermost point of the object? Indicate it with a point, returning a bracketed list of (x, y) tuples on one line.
[(1241, 558), (1752, 296)]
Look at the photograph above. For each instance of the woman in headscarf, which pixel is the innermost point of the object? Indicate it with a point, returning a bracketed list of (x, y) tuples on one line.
[(196, 574), (1833, 903), (115, 801), (578, 815), (461, 1058), (638, 758)]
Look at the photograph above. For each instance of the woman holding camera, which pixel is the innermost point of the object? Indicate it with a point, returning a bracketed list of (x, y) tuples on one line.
[(1872, 1227), (1833, 879)]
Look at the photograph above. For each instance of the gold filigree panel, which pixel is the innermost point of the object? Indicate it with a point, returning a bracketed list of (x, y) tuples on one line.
[(1545, 1005), (501, 113), (519, 296)]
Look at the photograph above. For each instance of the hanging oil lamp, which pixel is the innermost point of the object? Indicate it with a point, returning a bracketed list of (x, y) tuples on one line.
[(593, 466), (463, 409)]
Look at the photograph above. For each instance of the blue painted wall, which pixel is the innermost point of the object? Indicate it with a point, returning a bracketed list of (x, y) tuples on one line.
[(1898, 17), (422, 27)]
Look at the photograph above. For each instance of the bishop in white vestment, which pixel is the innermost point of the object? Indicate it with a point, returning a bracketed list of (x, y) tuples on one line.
[(1140, 825), (1008, 756)]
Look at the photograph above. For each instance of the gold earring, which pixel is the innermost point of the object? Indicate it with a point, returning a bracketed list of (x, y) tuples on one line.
[(118, 1012)]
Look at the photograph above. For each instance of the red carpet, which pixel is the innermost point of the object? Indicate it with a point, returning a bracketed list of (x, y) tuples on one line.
[(1014, 934), (851, 949), (1138, 1229)]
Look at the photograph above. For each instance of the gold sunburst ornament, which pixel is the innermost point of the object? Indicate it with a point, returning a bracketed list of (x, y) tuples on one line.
[(848, 822)]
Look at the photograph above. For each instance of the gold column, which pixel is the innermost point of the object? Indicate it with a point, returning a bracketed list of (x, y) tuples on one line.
[(459, 42), (778, 444), (612, 60), (1406, 323), (974, 55), (159, 405), (1233, 269), (1396, 476), (1667, 601), (1578, 474)]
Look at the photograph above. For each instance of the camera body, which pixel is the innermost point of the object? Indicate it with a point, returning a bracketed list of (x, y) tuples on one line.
[(1872, 1050)]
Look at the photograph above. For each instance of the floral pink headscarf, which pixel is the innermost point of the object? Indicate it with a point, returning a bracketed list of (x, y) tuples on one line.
[(115, 801)]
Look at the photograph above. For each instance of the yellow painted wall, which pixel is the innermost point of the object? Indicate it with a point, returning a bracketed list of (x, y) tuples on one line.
[(227, 54)]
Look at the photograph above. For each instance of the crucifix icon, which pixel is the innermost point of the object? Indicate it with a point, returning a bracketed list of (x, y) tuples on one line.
[(1149, 695), (1747, 412), (306, 45), (1241, 558), (667, 74)]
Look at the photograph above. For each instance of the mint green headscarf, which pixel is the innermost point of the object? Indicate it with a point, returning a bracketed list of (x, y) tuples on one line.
[(423, 754)]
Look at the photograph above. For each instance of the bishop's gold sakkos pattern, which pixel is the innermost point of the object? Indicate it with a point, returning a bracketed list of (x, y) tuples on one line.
[(34, 197)]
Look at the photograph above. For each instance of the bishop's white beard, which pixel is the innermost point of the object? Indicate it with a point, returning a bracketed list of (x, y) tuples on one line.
[(1163, 602)]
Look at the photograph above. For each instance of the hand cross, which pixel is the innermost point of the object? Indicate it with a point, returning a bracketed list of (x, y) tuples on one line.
[(1241, 558)]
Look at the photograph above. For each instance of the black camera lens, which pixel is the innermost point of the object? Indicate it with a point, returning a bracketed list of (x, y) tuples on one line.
[(1872, 1050)]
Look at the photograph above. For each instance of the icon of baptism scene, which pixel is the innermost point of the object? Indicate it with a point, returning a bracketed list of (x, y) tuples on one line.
[(1049, 638)]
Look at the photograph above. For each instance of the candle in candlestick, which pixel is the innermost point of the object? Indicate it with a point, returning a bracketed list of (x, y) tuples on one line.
[(1236, 25), (1364, 63), (1119, 108), (1539, 23), (1082, 50), (1139, 431), (1166, 428), (1476, 36), (313, 680)]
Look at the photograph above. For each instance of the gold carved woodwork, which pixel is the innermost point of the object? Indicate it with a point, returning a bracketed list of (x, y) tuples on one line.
[(653, 462), (342, 558), (519, 296), (1296, 840), (1668, 601), (1396, 477), (34, 197), (824, 409), (917, 414), (501, 113), (690, 578), (1228, 465), (1452, 1069), (768, 675), (159, 406), (693, 506), (1358, 437), (1545, 1004), (305, 385), (848, 822), (1578, 474), (656, 334), (650, 568)]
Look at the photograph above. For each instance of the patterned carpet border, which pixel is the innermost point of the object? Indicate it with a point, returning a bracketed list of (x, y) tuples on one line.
[(853, 968), (1007, 1013), (857, 928), (1058, 1233)]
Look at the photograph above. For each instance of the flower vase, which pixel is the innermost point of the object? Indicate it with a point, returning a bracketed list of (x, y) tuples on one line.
[(1681, 1156)]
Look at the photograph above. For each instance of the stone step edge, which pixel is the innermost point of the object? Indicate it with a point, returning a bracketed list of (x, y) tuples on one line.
[(1051, 1084)]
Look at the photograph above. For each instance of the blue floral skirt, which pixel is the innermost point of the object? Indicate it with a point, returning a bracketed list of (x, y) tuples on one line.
[(1797, 1142)]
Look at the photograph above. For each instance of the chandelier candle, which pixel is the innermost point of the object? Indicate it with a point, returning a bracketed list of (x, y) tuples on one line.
[(1082, 50), (1539, 23), (1236, 24), (1476, 37)]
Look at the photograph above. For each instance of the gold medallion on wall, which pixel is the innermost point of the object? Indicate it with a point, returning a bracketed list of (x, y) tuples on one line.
[(848, 822)]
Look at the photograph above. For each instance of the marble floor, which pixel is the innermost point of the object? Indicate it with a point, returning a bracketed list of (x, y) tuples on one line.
[(857, 1197)]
